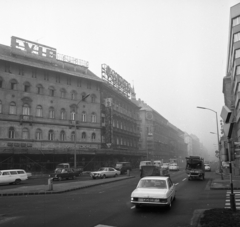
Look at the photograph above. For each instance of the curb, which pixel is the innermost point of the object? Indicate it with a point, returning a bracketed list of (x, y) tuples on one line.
[(61, 191)]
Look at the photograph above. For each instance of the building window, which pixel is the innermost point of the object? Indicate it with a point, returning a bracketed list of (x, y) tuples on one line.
[(38, 134), (0, 106), (25, 134), (51, 91), (58, 79), (63, 114), (73, 115), (93, 98), (238, 70), (68, 81), (236, 37), (79, 83), (21, 71), (1, 82), (46, 76), (88, 85), (236, 21), (93, 136), (73, 95), (84, 136), (7, 68), (83, 96), (73, 136), (12, 108), (34, 73), (84, 117), (39, 112), (62, 136), (26, 87), (13, 84), (63, 93), (11, 133), (26, 109), (51, 113), (50, 135), (40, 89), (94, 118), (237, 53)]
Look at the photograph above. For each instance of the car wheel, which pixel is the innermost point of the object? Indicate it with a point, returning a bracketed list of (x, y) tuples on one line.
[(104, 176), (17, 181), (170, 204), (115, 175), (93, 178), (60, 178), (189, 178), (137, 206)]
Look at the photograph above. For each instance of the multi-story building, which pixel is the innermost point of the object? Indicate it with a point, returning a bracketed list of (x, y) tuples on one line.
[(189, 141), (49, 108), (120, 119), (231, 81)]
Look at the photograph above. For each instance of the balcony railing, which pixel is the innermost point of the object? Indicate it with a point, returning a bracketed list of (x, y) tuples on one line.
[(26, 117)]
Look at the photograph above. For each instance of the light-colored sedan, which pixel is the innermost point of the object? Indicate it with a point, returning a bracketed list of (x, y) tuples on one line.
[(165, 165), (207, 167), (154, 191), (105, 172), (173, 167)]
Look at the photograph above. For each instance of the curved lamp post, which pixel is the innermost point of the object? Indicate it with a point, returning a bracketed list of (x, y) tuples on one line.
[(218, 142)]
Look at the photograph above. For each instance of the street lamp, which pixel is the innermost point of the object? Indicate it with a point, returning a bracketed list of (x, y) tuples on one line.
[(75, 133), (218, 142)]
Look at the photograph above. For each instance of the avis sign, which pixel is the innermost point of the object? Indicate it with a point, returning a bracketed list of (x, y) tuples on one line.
[(33, 48)]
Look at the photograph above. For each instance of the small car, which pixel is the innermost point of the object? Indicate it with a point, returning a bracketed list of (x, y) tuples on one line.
[(165, 165), (123, 167), (61, 174), (12, 176), (207, 167), (173, 167), (105, 172), (154, 191)]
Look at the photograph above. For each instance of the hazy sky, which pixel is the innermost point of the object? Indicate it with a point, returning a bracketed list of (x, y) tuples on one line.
[(174, 51)]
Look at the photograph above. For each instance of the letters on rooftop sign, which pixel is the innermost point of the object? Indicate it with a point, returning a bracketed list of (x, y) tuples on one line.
[(33, 48)]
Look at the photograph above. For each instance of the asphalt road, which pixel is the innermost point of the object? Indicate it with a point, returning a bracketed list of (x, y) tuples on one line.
[(109, 205)]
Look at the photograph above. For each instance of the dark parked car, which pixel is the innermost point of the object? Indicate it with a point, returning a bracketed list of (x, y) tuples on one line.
[(123, 167), (64, 174)]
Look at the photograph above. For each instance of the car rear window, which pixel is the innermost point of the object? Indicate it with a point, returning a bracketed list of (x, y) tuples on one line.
[(152, 184), (20, 172)]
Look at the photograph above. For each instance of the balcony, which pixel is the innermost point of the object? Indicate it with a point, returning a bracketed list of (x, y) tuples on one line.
[(26, 118)]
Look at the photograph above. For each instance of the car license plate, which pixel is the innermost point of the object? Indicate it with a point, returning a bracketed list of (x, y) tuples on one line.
[(150, 200)]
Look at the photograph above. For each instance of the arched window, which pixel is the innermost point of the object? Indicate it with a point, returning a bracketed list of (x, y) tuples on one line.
[(25, 134), (84, 116), (62, 136), (73, 95), (11, 133), (63, 114), (13, 84), (93, 98), (63, 93), (50, 135), (39, 112), (26, 87), (73, 136), (93, 118), (26, 109), (51, 112), (51, 91), (38, 134), (93, 136), (73, 115), (0, 106), (12, 108), (39, 89), (84, 135)]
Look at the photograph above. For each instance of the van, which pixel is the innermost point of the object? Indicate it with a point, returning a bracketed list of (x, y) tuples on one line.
[(144, 163), (12, 176), (157, 163), (123, 167)]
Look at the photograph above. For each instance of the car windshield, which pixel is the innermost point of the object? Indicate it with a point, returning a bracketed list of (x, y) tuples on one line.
[(152, 184)]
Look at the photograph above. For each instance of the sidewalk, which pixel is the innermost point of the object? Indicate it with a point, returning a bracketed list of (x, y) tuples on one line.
[(58, 188)]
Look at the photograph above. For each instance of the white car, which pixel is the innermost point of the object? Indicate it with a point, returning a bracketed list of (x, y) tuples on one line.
[(154, 191), (105, 172), (173, 166), (165, 165), (207, 167), (12, 176)]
